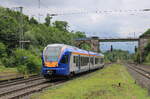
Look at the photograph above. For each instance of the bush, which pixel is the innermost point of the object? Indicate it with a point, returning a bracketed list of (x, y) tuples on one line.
[(22, 69), (117, 55), (85, 46), (1, 64), (137, 57), (27, 62), (146, 50), (8, 61), (2, 50), (148, 59)]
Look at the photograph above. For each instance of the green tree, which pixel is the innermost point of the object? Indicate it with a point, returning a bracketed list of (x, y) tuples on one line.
[(115, 55), (39, 34), (147, 49), (137, 56), (9, 31), (33, 21), (2, 50), (146, 33), (79, 34), (86, 46), (61, 25), (25, 58), (147, 60), (48, 20)]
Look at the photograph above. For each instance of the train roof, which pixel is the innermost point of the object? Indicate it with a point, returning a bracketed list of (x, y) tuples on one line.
[(74, 49)]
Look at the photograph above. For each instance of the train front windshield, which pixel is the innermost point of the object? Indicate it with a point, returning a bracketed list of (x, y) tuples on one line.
[(52, 54)]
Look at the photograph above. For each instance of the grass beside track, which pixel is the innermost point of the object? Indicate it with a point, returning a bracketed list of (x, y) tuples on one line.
[(5, 69), (8, 73), (148, 64), (102, 84)]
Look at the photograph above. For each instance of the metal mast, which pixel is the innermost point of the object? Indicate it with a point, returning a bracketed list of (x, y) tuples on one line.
[(21, 32), (21, 38), (39, 9)]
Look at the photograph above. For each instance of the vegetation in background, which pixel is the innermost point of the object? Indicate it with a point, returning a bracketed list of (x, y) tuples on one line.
[(146, 33), (86, 46), (7, 70), (102, 84), (137, 56), (146, 54), (27, 60), (7, 73), (117, 56)]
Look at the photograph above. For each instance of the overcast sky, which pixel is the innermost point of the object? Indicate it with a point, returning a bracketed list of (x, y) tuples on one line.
[(114, 24)]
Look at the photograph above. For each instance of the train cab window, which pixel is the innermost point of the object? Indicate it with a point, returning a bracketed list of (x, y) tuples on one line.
[(65, 59)]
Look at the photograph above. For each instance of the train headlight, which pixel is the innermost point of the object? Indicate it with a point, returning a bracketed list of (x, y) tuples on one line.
[(49, 72)]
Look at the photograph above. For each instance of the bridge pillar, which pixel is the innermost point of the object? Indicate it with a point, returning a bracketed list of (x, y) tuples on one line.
[(95, 45), (143, 41)]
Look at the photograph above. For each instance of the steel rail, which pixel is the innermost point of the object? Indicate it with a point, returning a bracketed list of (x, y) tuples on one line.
[(140, 71)]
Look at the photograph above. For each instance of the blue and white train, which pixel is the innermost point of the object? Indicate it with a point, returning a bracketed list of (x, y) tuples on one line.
[(65, 60)]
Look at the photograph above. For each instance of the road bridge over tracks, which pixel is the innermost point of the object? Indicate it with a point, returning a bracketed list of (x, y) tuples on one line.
[(95, 41)]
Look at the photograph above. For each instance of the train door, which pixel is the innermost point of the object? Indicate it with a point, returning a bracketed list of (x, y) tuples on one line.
[(89, 62), (79, 60), (65, 62), (72, 63)]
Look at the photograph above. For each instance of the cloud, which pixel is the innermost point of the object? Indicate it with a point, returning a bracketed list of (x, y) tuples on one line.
[(103, 25), (112, 24)]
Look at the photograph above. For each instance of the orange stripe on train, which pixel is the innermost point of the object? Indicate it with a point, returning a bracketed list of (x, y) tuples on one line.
[(76, 53), (51, 64)]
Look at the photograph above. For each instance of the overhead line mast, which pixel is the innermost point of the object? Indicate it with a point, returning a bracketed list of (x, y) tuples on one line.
[(39, 9), (21, 31)]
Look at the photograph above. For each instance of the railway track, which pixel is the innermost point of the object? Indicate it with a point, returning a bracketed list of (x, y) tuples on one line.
[(17, 81), (140, 70), (16, 89), (20, 87)]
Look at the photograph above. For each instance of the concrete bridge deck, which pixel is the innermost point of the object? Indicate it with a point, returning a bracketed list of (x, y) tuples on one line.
[(110, 39)]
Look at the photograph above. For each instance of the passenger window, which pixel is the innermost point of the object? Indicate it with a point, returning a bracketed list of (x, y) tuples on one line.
[(96, 61), (101, 60), (65, 59)]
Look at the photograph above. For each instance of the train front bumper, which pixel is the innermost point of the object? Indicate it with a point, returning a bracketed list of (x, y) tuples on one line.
[(54, 71)]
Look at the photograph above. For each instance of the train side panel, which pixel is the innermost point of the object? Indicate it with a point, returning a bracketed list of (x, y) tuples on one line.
[(79, 63)]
